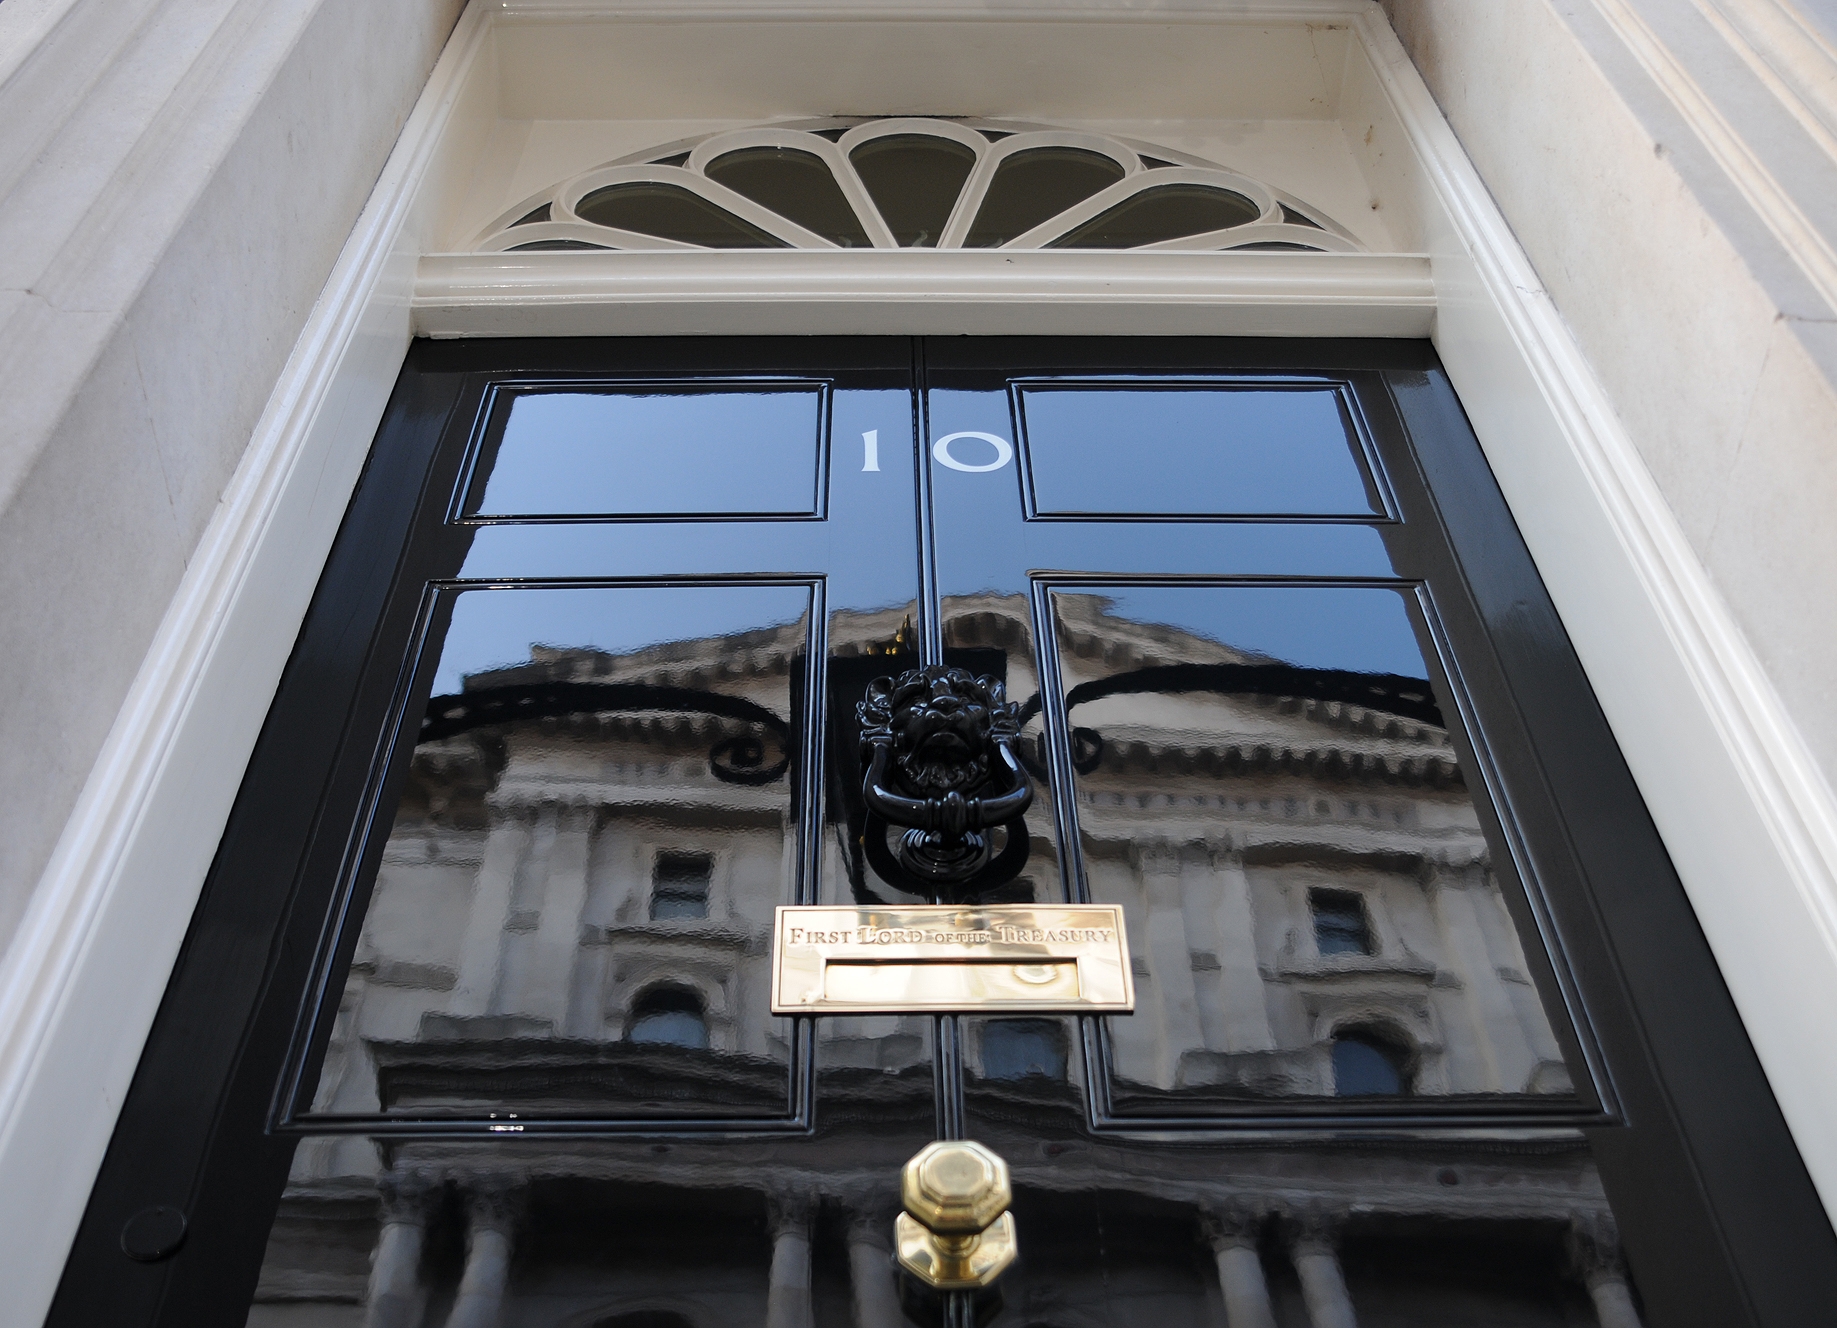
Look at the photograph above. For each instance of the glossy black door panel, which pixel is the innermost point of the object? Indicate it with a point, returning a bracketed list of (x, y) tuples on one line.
[(472, 1026), (601, 799), (1192, 448), (1265, 782), (674, 447)]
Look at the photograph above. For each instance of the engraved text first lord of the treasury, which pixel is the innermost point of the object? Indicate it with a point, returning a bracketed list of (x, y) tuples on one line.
[(949, 957)]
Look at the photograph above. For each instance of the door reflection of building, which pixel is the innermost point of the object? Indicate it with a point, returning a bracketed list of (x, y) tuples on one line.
[(573, 913)]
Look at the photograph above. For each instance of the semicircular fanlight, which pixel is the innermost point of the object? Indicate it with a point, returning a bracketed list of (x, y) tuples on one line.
[(1166, 212), (672, 213), (916, 183), (794, 184)]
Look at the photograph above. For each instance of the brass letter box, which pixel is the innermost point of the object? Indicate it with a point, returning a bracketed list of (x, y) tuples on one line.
[(1070, 959)]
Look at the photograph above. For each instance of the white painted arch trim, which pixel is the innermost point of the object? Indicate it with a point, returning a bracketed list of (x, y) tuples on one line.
[(1750, 822)]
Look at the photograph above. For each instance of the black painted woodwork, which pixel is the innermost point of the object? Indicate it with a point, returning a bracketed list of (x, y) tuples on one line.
[(1717, 1214)]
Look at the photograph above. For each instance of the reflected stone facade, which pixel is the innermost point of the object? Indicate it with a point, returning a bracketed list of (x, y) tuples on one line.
[(1295, 871), (572, 916)]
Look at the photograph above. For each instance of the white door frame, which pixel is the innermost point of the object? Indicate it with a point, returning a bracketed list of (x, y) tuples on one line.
[(1749, 821)]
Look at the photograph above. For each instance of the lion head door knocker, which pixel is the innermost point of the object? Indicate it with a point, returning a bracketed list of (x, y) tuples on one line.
[(938, 747)]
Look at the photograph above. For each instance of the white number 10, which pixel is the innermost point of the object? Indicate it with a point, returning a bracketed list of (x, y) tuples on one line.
[(1004, 451)]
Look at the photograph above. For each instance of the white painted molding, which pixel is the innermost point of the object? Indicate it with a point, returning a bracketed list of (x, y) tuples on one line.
[(1750, 822), (923, 291), (24, 25), (81, 981), (1789, 54), (1771, 198)]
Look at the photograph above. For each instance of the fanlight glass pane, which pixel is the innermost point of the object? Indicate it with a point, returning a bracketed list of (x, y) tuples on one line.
[(914, 180), (798, 185), (673, 213), (1032, 186), (553, 245), (1164, 213)]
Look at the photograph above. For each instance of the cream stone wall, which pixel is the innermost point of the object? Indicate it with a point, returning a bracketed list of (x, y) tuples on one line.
[(1702, 315), (176, 179)]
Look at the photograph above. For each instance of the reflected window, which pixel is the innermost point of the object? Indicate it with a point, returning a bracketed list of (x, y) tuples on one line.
[(679, 886), (1367, 1063), (1023, 1048), (1341, 925), (1300, 722), (669, 1016), (558, 794), (1035, 185)]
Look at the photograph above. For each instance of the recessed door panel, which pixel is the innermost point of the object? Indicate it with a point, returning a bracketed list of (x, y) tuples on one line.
[(600, 806), (1264, 778)]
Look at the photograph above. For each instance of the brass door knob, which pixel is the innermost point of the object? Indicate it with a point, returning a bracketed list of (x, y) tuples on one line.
[(956, 1233)]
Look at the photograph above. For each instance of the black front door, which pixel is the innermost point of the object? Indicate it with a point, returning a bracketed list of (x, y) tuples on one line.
[(474, 1028)]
